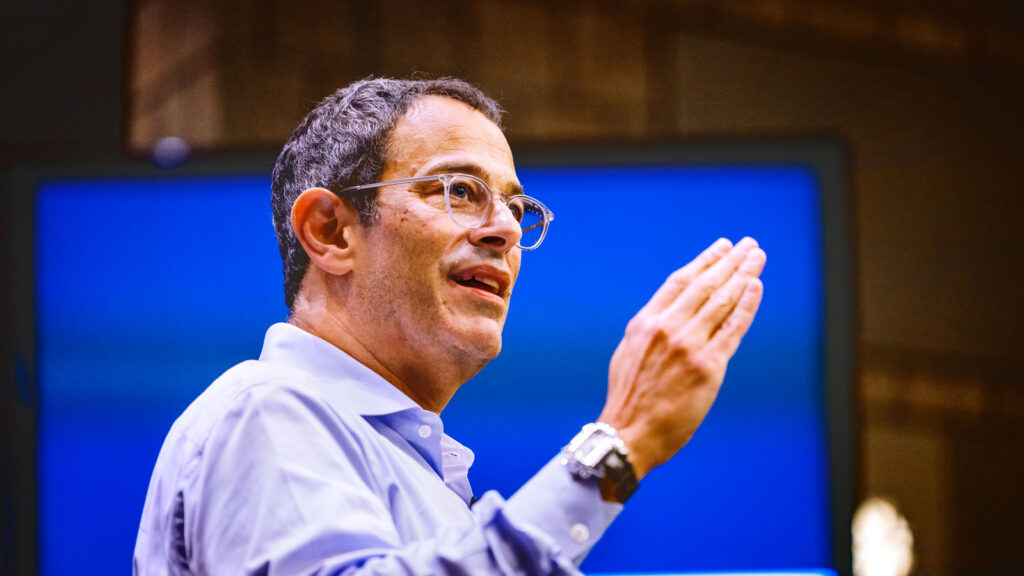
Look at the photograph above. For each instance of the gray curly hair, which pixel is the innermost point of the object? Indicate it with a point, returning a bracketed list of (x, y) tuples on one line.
[(343, 142)]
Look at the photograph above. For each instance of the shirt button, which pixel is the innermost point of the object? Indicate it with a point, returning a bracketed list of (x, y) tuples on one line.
[(579, 533), (425, 431)]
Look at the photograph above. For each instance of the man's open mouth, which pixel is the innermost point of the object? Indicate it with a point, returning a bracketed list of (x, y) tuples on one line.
[(483, 278), (479, 283)]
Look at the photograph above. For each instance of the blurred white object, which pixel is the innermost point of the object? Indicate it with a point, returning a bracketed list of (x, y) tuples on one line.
[(170, 152), (883, 544)]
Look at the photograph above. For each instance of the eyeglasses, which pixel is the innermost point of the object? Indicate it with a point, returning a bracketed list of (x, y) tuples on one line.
[(470, 202)]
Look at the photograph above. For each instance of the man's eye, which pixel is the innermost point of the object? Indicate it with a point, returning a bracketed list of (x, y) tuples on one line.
[(460, 190), (516, 208)]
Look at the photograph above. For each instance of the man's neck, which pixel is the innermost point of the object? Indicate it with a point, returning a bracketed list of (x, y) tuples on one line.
[(423, 386)]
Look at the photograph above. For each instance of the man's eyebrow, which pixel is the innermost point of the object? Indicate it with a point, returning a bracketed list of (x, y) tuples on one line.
[(472, 170)]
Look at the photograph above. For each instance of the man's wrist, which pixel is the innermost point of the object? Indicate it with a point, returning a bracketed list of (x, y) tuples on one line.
[(640, 443), (598, 452), (639, 447)]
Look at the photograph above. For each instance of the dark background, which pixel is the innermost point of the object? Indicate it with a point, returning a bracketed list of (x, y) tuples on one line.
[(927, 97)]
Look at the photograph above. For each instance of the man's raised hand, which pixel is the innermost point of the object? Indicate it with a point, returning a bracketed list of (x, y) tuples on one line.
[(668, 368)]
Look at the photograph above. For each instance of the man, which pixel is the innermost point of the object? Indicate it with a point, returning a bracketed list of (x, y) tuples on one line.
[(401, 223)]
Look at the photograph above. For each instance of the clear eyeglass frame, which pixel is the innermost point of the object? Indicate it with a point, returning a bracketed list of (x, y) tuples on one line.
[(532, 204)]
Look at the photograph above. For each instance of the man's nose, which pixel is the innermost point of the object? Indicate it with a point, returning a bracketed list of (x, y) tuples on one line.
[(501, 231)]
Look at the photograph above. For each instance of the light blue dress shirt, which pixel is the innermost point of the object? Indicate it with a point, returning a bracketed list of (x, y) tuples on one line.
[(307, 462)]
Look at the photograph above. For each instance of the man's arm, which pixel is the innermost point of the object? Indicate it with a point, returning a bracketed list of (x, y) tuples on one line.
[(285, 487), (666, 372)]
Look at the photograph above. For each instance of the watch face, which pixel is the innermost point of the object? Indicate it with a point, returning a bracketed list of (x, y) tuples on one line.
[(591, 445)]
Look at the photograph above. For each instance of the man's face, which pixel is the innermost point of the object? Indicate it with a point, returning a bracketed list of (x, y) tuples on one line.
[(414, 278)]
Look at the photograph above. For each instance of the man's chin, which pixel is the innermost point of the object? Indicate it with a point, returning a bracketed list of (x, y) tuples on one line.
[(482, 341), (489, 345)]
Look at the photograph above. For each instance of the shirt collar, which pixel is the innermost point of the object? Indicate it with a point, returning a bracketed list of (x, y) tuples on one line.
[(353, 385), (363, 391)]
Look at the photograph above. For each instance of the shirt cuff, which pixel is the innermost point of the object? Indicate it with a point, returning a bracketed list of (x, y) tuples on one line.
[(567, 509)]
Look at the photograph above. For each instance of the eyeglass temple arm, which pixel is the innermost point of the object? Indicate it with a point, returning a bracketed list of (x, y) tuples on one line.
[(390, 183), (531, 227)]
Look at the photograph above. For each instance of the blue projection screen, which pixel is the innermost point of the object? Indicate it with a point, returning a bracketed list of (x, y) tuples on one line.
[(149, 287)]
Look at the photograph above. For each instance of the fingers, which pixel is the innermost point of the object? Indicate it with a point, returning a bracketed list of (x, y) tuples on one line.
[(723, 301), (681, 278), (667, 370), (703, 286), (735, 326)]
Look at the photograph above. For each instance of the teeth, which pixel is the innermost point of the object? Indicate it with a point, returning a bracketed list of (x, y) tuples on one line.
[(488, 281)]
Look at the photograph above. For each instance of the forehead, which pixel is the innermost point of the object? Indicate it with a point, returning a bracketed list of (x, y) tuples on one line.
[(437, 131)]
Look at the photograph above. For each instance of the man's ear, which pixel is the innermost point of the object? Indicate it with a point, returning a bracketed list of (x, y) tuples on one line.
[(328, 229)]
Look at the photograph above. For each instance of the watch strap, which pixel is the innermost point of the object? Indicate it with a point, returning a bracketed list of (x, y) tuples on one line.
[(619, 472)]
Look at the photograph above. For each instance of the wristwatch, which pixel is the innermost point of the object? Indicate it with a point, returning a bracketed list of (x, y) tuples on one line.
[(598, 452)]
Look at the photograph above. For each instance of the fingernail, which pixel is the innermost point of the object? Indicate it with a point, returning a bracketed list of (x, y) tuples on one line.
[(721, 244), (747, 242), (756, 256)]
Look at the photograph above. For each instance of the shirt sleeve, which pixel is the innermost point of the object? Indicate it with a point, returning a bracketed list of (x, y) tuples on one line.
[(284, 487)]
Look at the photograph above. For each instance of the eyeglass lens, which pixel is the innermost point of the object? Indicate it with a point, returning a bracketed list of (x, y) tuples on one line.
[(468, 201)]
